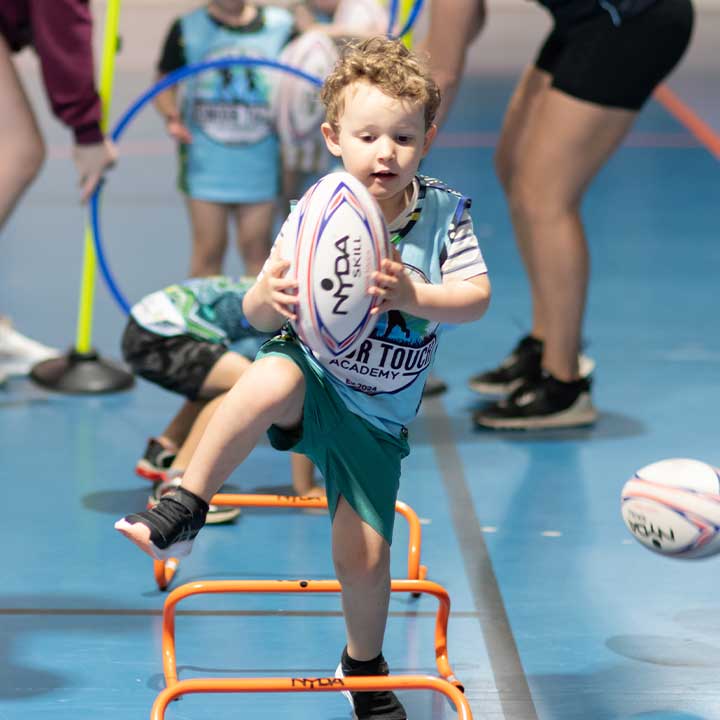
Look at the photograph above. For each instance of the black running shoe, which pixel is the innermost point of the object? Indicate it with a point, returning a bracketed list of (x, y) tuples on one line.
[(173, 522), (155, 462), (370, 705), (217, 514), (522, 365), (544, 403)]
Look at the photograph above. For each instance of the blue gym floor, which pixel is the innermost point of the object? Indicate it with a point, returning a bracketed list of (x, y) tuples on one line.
[(557, 613)]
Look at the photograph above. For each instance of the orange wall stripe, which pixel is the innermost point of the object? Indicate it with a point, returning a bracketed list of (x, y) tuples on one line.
[(689, 118)]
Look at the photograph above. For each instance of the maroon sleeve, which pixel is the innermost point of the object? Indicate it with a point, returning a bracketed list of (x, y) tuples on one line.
[(62, 38)]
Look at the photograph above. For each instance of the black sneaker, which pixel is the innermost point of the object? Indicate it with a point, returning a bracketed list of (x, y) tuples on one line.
[(155, 462), (544, 403), (522, 365), (370, 705), (173, 523), (217, 514), (434, 386)]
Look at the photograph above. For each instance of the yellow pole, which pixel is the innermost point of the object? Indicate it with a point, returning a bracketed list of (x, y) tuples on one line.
[(83, 341), (405, 8)]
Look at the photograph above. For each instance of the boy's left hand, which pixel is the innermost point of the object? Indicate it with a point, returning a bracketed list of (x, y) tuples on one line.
[(393, 286)]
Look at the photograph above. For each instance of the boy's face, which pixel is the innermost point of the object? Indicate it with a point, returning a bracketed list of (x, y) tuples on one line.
[(381, 141)]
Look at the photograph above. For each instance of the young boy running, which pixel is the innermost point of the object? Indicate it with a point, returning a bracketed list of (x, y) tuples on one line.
[(380, 104)]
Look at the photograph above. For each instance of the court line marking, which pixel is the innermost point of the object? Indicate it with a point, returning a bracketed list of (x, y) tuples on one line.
[(687, 117), (510, 680)]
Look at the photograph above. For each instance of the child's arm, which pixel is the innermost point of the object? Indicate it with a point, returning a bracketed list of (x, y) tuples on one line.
[(166, 103), (452, 302), (270, 301)]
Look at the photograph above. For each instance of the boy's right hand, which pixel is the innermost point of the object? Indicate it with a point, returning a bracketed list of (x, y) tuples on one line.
[(277, 290), (177, 130)]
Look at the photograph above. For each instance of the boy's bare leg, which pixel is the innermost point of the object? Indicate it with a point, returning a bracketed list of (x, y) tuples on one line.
[(224, 374), (192, 440), (362, 565), (271, 391), (179, 427), (303, 476), (209, 236)]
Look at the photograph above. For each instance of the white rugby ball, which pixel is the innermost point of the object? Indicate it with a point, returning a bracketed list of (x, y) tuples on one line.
[(298, 110), (366, 17), (672, 507), (336, 237)]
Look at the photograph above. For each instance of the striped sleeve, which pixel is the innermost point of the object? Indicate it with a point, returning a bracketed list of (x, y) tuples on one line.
[(462, 258)]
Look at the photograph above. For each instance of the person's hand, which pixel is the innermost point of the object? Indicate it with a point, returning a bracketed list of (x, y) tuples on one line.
[(277, 290), (177, 130), (392, 285), (91, 162)]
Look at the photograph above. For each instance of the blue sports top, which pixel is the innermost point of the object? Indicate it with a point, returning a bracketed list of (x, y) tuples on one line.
[(234, 156), (383, 379)]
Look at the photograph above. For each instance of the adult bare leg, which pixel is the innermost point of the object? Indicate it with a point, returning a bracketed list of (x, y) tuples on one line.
[(21, 146), (566, 142), (510, 150)]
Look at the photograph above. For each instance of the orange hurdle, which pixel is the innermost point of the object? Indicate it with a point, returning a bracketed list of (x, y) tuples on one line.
[(294, 586), (331, 684), (165, 570)]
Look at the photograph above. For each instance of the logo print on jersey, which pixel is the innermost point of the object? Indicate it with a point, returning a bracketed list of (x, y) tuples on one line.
[(231, 105)]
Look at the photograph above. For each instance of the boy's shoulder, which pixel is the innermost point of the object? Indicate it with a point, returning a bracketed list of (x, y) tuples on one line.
[(427, 182)]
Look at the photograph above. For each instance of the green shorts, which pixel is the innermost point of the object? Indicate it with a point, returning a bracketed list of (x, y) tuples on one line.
[(358, 460)]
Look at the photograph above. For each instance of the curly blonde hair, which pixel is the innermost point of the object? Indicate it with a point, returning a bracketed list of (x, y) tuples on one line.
[(389, 66)]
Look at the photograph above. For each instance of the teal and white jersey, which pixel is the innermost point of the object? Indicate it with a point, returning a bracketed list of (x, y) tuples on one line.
[(234, 156), (383, 379), (208, 309)]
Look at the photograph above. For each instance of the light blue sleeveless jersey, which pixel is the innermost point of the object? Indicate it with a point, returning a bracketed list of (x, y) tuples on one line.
[(382, 381), (234, 156)]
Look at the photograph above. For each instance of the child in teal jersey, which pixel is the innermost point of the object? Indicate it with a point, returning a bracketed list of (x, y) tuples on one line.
[(380, 105), (180, 338), (224, 126)]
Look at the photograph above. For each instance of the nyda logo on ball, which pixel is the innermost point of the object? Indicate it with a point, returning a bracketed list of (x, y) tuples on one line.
[(345, 270)]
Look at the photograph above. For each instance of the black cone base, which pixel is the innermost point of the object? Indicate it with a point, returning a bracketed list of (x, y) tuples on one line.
[(82, 373)]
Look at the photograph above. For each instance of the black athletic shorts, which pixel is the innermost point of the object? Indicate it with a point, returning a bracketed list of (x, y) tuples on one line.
[(617, 65), (179, 363)]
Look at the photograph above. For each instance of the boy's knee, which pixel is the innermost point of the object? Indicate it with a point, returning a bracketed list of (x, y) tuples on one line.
[(283, 386)]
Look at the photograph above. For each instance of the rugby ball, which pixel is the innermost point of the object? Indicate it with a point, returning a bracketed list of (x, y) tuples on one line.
[(363, 17), (672, 507), (298, 110), (335, 238)]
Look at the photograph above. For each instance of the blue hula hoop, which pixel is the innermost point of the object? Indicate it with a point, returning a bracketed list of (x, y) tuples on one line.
[(133, 110), (411, 20)]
